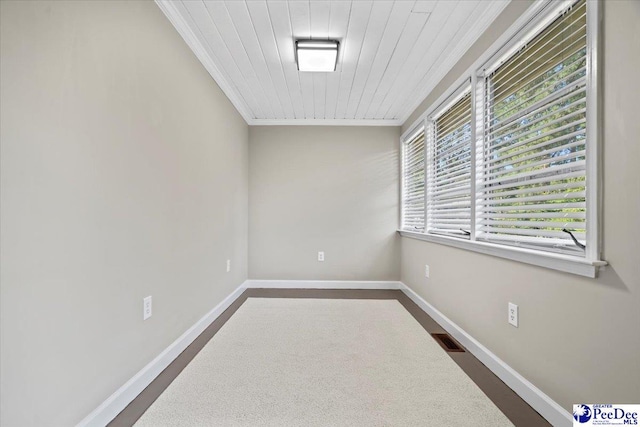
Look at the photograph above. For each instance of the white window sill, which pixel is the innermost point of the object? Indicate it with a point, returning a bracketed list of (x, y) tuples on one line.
[(566, 263)]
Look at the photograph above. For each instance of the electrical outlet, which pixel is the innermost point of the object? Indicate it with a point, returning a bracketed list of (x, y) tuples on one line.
[(320, 256), (228, 265), (513, 314), (146, 308), (426, 271)]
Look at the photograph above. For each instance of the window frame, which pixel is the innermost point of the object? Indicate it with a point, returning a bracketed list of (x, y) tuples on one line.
[(534, 20), (407, 138), (430, 126)]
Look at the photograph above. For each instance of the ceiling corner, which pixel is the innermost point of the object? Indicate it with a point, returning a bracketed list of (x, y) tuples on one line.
[(169, 9)]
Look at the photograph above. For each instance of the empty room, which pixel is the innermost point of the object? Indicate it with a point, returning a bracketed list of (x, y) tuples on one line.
[(319, 213)]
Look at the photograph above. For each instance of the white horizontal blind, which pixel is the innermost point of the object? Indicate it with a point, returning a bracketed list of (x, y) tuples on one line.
[(532, 182), (413, 156), (449, 170)]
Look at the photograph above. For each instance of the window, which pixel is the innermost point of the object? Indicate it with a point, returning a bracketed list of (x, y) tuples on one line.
[(511, 155), (413, 152), (533, 170), (449, 169)]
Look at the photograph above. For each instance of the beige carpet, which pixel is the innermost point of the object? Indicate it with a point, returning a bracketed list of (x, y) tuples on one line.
[(322, 362)]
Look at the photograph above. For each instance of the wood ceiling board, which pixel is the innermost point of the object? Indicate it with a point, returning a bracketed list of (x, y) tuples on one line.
[(391, 55)]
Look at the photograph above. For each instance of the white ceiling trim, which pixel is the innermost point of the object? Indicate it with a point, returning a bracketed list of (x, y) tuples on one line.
[(479, 27), (325, 122), (201, 53)]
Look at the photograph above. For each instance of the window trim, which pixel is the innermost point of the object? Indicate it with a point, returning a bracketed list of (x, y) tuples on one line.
[(409, 136), (566, 263), (429, 126), (538, 16)]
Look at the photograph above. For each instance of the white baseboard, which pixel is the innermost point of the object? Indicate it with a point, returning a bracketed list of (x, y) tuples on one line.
[(538, 400), (322, 284), (111, 407), (547, 407)]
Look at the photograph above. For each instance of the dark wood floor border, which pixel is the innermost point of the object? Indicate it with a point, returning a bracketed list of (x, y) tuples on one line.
[(134, 410), (512, 405)]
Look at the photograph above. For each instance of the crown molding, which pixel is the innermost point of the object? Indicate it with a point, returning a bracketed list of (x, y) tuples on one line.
[(324, 122), (176, 19), (472, 34)]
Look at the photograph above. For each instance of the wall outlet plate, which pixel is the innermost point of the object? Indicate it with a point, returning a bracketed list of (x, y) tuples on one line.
[(228, 265), (513, 314), (320, 256), (427, 272), (147, 309)]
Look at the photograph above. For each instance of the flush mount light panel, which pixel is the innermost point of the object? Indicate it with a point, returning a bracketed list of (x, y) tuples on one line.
[(317, 55)]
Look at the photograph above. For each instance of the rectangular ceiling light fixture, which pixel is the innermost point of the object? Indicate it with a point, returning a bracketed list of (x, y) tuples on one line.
[(317, 55)]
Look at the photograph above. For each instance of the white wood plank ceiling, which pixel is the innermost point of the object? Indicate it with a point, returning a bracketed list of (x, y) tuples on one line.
[(392, 53)]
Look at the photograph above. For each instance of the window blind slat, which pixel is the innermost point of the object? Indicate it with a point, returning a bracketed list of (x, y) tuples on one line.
[(517, 140), (533, 214), (543, 45), (560, 95), (539, 233), (528, 178), (452, 174), (554, 158), (519, 131), (497, 90), (529, 188), (413, 189), (532, 71), (563, 102), (547, 207), (557, 196), (550, 37)]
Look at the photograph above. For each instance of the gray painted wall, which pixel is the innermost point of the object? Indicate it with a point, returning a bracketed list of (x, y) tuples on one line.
[(123, 174), (578, 339), (323, 188)]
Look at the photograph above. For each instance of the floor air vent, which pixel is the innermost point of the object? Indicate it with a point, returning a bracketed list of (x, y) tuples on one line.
[(447, 343)]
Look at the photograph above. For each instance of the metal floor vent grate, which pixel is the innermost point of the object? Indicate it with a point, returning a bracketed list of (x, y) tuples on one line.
[(448, 343)]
